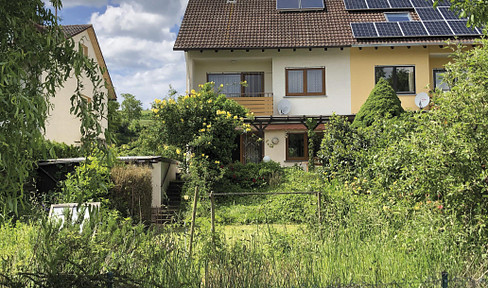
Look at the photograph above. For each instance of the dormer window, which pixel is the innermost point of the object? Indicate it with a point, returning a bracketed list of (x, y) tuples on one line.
[(397, 16), (299, 5)]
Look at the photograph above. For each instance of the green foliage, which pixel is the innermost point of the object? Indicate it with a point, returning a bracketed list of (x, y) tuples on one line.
[(89, 182), (36, 59), (203, 122), (343, 148), (75, 256), (382, 102), (131, 107), (54, 150), (475, 11), (243, 177), (131, 193)]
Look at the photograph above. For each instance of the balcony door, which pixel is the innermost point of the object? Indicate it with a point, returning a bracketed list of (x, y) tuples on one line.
[(245, 84)]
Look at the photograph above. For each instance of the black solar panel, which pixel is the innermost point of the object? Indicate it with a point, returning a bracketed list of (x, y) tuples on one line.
[(422, 3), (413, 29), (459, 27), (378, 4), (443, 3), (363, 30), (355, 4), (388, 29), (438, 28), (400, 4), (429, 14), (448, 14)]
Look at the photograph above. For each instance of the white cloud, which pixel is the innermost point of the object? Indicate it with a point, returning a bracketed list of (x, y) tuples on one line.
[(137, 41)]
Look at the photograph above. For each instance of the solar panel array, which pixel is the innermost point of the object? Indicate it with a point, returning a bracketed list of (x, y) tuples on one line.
[(413, 29), (299, 4), (439, 21)]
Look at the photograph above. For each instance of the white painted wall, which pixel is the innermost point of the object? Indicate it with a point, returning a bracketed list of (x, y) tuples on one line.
[(274, 63), (61, 126), (337, 80), (277, 152)]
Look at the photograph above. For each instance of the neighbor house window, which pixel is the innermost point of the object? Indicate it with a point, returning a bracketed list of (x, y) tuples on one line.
[(401, 78), (439, 80), (231, 83), (397, 16), (305, 82), (85, 50)]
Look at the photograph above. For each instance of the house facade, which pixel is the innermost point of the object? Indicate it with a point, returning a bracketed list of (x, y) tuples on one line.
[(312, 58), (61, 125)]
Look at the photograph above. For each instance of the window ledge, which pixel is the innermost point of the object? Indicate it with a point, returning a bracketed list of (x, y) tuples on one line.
[(307, 96)]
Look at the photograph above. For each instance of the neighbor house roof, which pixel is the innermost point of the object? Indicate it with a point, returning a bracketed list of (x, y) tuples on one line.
[(72, 30), (257, 24)]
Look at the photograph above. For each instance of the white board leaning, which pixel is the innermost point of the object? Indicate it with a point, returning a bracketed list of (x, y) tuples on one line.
[(60, 211)]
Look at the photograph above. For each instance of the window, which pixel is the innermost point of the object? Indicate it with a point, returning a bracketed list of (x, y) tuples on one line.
[(305, 82), (232, 87), (85, 50), (299, 4), (397, 17), (439, 80), (297, 145), (401, 78)]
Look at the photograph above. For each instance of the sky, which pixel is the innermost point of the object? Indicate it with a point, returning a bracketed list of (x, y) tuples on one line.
[(136, 38)]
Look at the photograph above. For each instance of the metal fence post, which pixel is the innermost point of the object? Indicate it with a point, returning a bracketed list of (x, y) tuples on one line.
[(110, 279), (445, 279)]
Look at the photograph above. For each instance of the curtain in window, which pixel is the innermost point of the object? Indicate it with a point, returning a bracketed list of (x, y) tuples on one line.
[(231, 82), (314, 81), (254, 85), (295, 81)]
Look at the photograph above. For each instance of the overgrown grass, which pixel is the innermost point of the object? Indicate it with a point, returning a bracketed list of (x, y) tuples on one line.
[(361, 239)]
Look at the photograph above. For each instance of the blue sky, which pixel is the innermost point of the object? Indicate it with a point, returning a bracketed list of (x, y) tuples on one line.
[(136, 38)]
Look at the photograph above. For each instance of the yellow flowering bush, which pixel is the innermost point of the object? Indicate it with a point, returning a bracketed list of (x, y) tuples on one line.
[(203, 121)]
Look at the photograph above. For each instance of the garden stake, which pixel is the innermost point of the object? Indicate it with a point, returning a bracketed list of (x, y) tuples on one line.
[(212, 211), (193, 216), (318, 207)]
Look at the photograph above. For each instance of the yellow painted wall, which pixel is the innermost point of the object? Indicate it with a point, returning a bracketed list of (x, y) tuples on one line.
[(363, 63)]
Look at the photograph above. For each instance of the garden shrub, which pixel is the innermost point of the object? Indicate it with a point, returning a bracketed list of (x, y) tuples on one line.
[(131, 193), (343, 148), (248, 176), (89, 182), (382, 102), (59, 150)]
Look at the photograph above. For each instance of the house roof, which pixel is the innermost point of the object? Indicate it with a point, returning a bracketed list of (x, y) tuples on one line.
[(72, 30), (256, 24)]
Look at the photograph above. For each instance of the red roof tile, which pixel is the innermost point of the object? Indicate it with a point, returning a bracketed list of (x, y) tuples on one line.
[(256, 24)]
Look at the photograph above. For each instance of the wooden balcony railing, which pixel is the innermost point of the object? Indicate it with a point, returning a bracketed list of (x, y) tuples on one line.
[(261, 104)]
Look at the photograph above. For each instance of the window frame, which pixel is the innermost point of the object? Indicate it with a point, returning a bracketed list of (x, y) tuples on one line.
[(305, 82), (243, 78), (395, 79), (305, 145), (434, 72)]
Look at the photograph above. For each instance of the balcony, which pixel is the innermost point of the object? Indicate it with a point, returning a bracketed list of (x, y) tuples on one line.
[(261, 104)]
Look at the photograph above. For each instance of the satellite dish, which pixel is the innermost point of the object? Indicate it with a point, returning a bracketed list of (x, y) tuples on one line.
[(422, 100), (284, 107)]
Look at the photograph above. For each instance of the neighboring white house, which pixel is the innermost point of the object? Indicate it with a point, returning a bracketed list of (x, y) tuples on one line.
[(312, 58), (61, 125)]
